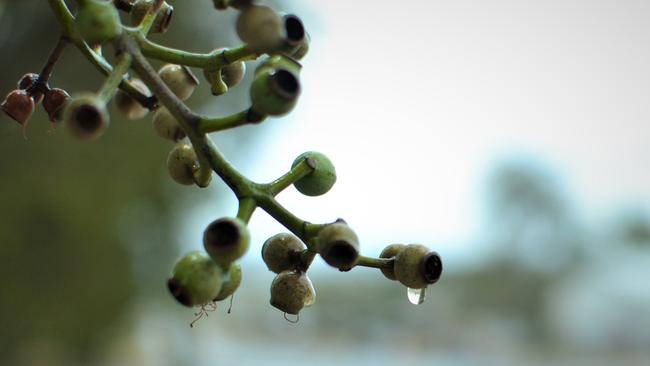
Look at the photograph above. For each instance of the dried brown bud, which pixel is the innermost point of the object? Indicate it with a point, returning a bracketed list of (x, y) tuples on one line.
[(18, 105), (55, 101)]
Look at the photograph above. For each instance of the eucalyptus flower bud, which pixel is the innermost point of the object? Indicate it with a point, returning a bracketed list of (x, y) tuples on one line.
[(338, 245), (389, 253), (261, 28), (127, 105), (280, 251), (226, 240), (55, 102), (179, 79), (18, 105), (275, 92), (416, 267), (291, 292), (163, 18), (86, 116), (166, 126), (231, 282), (181, 164), (195, 279), (321, 179), (98, 21)]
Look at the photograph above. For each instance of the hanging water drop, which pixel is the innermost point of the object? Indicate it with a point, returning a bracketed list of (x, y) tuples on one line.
[(416, 295)]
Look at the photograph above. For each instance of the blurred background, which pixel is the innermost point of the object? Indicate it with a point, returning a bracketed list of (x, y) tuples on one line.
[(511, 136)]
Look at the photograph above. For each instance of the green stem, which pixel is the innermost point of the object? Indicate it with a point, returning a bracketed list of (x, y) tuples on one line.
[(66, 23), (296, 173), (112, 82), (246, 208), (385, 263), (215, 124), (209, 61)]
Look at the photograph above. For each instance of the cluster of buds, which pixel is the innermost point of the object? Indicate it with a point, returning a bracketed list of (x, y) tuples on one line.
[(202, 278)]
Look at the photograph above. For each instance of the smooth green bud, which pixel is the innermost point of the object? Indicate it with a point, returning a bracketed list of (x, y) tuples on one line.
[(179, 79), (280, 251), (98, 21), (231, 282), (163, 18), (195, 279), (166, 126), (181, 164), (416, 267), (127, 105), (390, 252), (338, 245), (275, 92), (261, 28), (291, 292), (86, 116), (321, 179), (226, 240)]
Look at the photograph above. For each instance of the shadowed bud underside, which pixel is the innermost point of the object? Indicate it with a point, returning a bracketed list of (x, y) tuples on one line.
[(231, 282), (86, 116), (166, 126), (127, 105), (338, 245), (226, 240)]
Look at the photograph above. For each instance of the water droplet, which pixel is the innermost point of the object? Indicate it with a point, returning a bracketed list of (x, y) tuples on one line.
[(416, 295)]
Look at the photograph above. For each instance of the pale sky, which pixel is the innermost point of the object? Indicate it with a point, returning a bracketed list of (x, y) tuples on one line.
[(414, 101)]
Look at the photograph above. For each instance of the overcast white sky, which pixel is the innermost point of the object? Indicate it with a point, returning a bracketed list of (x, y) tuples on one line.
[(414, 101)]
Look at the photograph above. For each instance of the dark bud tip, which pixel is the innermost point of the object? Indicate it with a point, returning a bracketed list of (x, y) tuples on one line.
[(54, 102), (18, 105), (431, 267), (294, 29), (285, 83), (176, 290), (29, 83), (222, 233)]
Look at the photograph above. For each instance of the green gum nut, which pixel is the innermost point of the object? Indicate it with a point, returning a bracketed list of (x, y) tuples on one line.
[(163, 18), (86, 116), (416, 267), (281, 251), (291, 292), (180, 80), (321, 179), (195, 279), (390, 252), (181, 164), (128, 106), (98, 21), (226, 240), (261, 28), (231, 282), (275, 92), (338, 245), (166, 126)]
